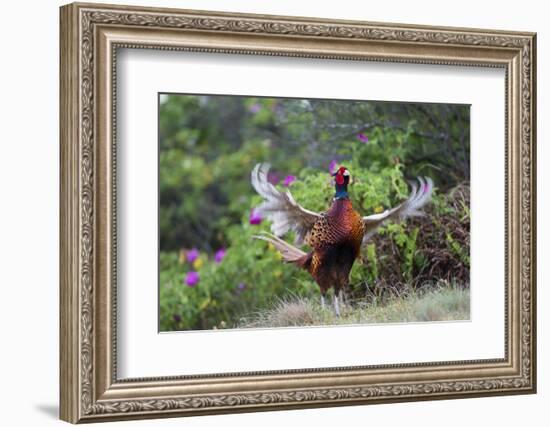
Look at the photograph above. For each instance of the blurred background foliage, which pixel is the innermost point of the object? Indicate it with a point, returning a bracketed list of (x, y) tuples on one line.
[(212, 274)]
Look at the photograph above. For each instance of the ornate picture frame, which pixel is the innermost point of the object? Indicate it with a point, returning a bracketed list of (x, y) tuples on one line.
[(90, 37)]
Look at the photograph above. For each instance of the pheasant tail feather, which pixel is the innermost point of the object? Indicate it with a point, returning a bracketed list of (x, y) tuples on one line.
[(288, 252)]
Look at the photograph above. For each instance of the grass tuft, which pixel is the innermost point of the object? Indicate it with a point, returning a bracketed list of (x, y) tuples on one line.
[(446, 303)]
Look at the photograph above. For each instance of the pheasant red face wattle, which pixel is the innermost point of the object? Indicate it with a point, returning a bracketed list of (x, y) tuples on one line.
[(340, 174)]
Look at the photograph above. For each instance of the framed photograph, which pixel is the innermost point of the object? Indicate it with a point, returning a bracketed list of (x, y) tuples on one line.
[(266, 212)]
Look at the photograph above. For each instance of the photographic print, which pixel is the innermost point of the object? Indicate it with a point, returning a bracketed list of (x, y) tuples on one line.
[(203, 209), (287, 212)]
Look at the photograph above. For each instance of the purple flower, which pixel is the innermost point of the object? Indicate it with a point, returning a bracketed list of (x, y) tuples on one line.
[(426, 187), (362, 137), (255, 217), (289, 179), (332, 166), (241, 287), (273, 178), (192, 278), (177, 318), (220, 253), (254, 108), (193, 254)]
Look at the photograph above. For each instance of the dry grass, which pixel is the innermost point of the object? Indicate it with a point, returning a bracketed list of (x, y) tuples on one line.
[(447, 303)]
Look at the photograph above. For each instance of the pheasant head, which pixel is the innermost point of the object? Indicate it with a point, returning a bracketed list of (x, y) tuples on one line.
[(341, 181)]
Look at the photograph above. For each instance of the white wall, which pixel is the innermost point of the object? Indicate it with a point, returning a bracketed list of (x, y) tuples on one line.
[(29, 169)]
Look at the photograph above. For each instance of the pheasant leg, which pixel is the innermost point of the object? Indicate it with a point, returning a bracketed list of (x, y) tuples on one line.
[(343, 297), (336, 305)]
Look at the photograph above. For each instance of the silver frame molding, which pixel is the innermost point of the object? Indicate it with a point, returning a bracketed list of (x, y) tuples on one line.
[(90, 37)]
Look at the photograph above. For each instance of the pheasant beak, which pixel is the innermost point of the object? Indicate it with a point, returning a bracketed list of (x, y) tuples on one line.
[(348, 174)]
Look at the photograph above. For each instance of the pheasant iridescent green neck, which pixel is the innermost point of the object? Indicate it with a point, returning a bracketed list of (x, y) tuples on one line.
[(341, 192)]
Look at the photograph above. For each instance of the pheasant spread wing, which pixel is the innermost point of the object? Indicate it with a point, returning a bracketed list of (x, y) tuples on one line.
[(420, 195), (281, 208)]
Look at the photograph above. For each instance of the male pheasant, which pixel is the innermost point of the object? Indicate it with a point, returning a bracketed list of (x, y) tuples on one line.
[(335, 236)]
